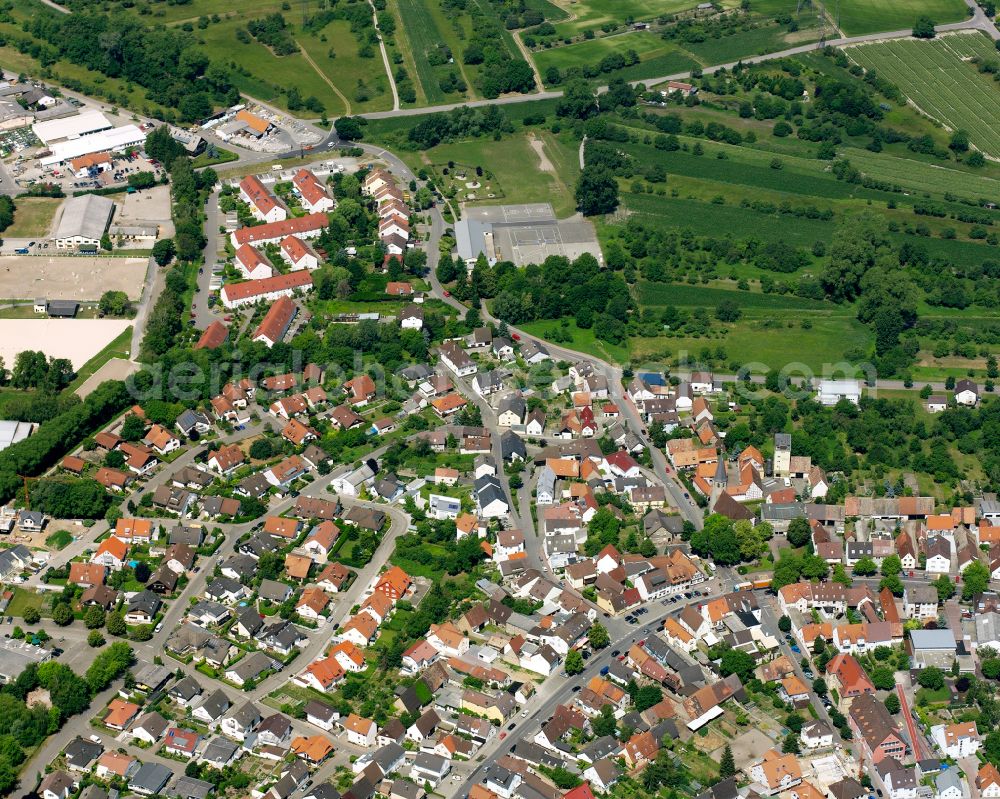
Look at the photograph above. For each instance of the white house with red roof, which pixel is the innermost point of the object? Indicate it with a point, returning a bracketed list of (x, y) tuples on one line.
[(313, 195), (263, 205), (298, 254), (252, 264), (303, 227), (236, 295)]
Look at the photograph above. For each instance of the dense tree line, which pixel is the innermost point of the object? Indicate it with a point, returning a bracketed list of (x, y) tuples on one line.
[(502, 72), (33, 369), (460, 123), (53, 438), (273, 31), (188, 192), (164, 61), (70, 499), (555, 288), (6, 212)]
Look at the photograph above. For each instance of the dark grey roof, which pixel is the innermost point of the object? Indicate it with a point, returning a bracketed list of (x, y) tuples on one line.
[(187, 534), (144, 601), (62, 307), (150, 778), (249, 618), (190, 788), (81, 752), (221, 586), (216, 704), (512, 445), (322, 791), (273, 591), (187, 688), (320, 711), (220, 750)]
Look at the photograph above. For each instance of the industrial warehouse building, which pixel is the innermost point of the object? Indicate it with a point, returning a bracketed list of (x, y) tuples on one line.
[(84, 221), (114, 140), (74, 127)]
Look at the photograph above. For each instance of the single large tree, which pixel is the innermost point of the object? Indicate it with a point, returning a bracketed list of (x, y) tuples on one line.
[(727, 764), (596, 191)]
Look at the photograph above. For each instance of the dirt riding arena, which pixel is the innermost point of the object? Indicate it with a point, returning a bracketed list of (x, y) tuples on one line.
[(69, 277), (79, 340)]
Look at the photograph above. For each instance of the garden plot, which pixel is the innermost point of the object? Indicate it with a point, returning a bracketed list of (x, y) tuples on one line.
[(939, 78)]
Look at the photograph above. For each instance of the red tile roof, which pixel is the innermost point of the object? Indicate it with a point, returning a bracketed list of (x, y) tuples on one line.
[(260, 197), (260, 288), (276, 321), (309, 187), (214, 336), (278, 230)]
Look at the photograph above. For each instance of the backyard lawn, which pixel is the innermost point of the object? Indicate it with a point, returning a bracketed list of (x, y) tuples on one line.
[(22, 600), (60, 539)]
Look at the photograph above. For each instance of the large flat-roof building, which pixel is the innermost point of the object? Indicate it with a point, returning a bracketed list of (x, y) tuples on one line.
[(114, 140), (84, 221), (85, 124)]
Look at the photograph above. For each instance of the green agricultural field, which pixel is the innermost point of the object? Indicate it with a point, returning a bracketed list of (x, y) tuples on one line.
[(423, 34), (708, 219), (656, 56), (919, 175), (592, 14), (663, 294), (762, 338), (751, 167), (334, 81), (567, 334), (874, 16), (767, 38), (935, 76), (347, 70), (645, 43)]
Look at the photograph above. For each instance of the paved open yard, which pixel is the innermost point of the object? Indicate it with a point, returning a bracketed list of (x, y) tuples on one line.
[(748, 748), (76, 339), (114, 369), (69, 277), (150, 205)]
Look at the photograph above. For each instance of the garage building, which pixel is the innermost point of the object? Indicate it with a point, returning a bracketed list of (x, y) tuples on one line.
[(84, 221)]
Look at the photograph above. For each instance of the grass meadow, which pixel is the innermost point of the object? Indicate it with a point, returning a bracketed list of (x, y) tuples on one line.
[(590, 14)]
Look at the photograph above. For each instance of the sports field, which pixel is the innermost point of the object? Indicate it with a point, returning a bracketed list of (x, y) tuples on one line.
[(875, 16), (70, 277), (938, 78)]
